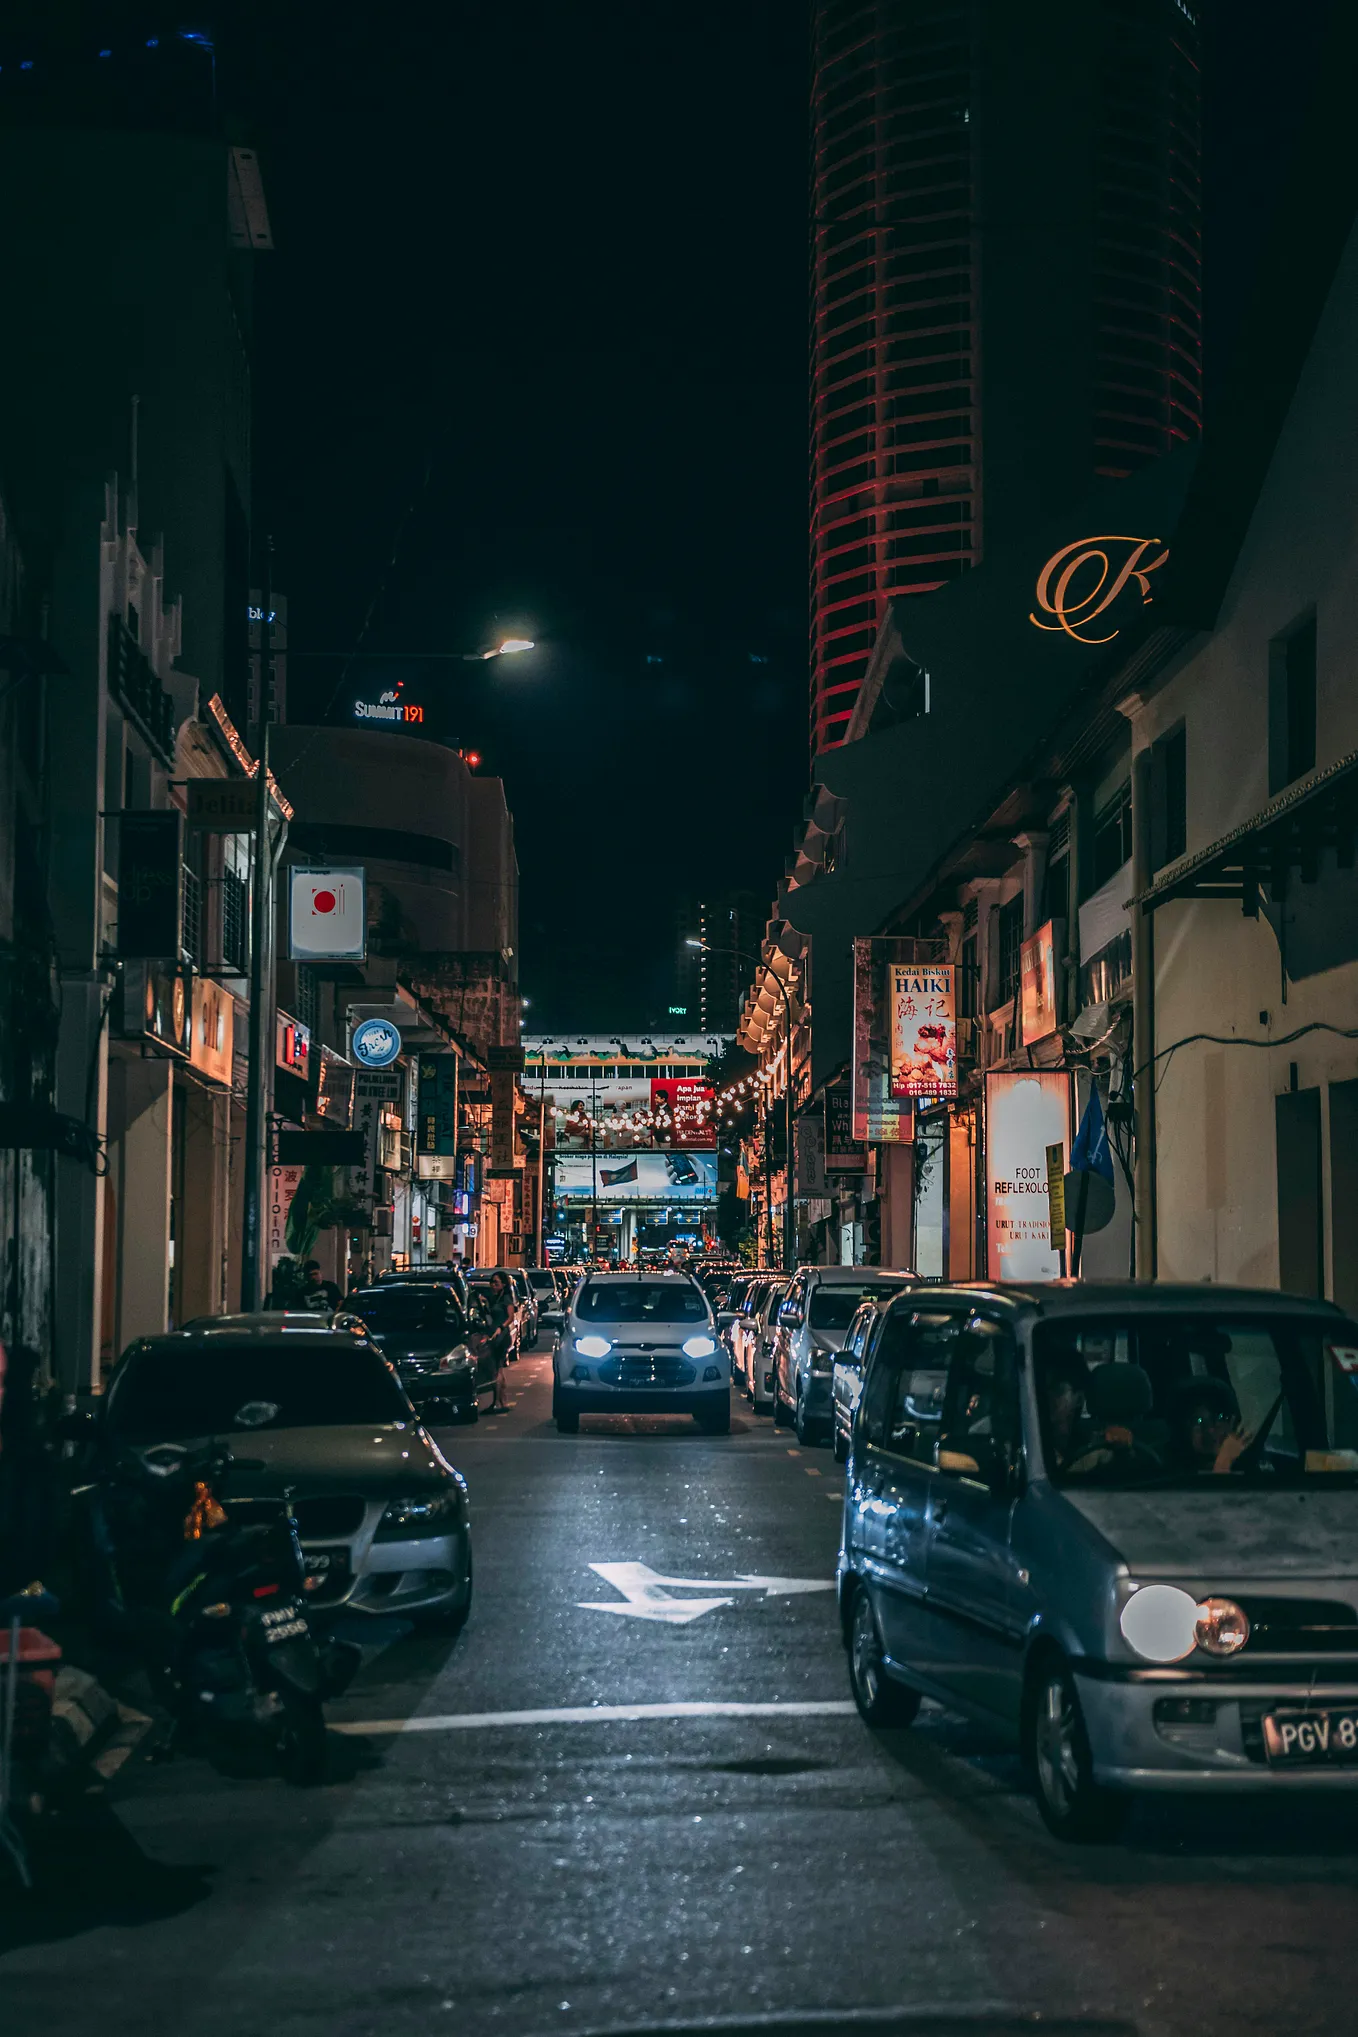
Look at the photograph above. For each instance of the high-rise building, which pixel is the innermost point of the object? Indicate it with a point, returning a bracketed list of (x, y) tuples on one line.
[(1005, 285), (717, 943)]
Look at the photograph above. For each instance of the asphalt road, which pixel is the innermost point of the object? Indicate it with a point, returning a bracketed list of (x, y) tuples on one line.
[(474, 1870)]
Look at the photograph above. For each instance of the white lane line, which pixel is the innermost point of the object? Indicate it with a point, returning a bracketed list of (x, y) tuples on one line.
[(589, 1715)]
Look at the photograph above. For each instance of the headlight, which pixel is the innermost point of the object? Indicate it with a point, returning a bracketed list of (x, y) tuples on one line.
[(1222, 1626), (1160, 1623), (699, 1347), (593, 1347), (454, 1359), (429, 1515)]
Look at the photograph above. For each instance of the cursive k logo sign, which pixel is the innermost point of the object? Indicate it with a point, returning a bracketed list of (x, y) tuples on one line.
[(1081, 582)]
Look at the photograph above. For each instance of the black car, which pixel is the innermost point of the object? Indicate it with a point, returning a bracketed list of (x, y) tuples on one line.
[(436, 1276), (425, 1332)]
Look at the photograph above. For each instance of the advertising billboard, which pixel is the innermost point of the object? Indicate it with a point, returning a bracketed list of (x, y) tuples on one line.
[(150, 885), (923, 1029), (683, 1112), (1026, 1113), (636, 1177)]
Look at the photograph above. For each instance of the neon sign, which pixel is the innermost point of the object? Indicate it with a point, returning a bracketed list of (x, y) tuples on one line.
[(1081, 582), (388, 706)]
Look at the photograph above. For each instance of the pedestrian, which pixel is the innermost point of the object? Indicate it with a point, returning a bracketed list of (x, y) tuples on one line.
[(500, 1303), (319, 1294)]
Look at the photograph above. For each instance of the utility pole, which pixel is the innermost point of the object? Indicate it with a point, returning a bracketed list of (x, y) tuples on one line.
[(253, 1253)]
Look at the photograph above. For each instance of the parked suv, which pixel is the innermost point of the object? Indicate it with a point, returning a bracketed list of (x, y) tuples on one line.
[(641, 1343), (812, 1324)]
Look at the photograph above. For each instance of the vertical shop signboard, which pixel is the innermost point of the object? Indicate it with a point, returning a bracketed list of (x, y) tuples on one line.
[(375, 1090), (923, 1030), (1027, 1112), (283, 1183), (879, 1115)]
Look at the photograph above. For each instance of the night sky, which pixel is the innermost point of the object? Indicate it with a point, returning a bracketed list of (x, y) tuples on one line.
[(554, 258), (538, 305)]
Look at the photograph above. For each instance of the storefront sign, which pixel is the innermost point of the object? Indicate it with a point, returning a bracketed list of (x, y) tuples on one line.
[(502, 1093), (1037, 973), (167, 1010), (376, 1043), (923, 1030), (842, 1155), (389, 706), (334, 1088), (683, 1112), (292, 1046), (436, 1124), (214, 1014), (810, 1135), (283, 1183), (327, 915), (1056, 1195), (878, 1114), (150, 885), (1079, 584), (223, 806), (1026, 1112)]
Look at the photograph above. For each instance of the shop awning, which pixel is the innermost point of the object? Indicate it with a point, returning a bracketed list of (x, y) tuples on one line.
[(1290, 834)]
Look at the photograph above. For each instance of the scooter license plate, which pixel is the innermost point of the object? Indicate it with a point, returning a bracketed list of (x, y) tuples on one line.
[(1312, 1739), (283, 1623)]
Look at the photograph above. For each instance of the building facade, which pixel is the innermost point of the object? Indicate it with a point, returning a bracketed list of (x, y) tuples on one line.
[(1006, 276)]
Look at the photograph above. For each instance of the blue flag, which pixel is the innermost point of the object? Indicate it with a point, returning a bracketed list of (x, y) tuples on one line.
[(1091, 1150)]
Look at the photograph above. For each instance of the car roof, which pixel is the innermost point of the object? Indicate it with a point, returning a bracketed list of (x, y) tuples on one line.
[(859, 1274), (182, 1343), (648, 1273), (1090, 1297)]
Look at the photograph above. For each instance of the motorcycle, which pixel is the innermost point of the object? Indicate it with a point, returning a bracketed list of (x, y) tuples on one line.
[(212, 1595)]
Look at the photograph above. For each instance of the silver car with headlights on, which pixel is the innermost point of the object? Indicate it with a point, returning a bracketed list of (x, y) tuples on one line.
[(1118, 1522), (318, 1415), (641, 1343)]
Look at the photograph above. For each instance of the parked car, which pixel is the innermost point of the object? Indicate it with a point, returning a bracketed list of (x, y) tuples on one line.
[(815, 1313), (449, 1275), (641, 1343), (846, 1376), (345, 1318), (742, 1326), (1136, 1510), (381, 1513), (526, 1297), (759, 1339), (444, 1362), (547, 1293)]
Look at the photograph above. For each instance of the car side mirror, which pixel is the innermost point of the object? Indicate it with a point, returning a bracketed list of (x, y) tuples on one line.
[(725, 1318), (789, 1316)]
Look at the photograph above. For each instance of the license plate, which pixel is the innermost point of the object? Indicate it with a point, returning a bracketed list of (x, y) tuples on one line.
[(283, 1623), (1311, 1739)]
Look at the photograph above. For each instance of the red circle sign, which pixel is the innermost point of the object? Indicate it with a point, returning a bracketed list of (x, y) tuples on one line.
[(324, 901)]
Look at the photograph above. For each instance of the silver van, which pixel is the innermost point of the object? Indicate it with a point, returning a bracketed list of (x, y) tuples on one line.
[(1118, 1522)]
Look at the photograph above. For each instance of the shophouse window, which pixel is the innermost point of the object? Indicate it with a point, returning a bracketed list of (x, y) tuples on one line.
[(1112, 844), (1292, 704), (968, 983), (1169, 797), (1010, 937)]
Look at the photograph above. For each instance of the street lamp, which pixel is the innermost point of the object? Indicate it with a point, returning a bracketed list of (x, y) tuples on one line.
[(753, 962)]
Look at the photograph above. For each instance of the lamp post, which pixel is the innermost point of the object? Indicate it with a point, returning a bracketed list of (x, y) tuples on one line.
[(754, 962)]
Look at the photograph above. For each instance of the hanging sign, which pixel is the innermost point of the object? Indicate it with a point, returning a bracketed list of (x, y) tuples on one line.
[(923, 1030), (327, 915), (879, 1115), (1037, 985), (150, 881), (376, 1043)]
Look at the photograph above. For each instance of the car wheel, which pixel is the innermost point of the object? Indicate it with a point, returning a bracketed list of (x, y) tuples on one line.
[(799, 1421), (1073, 1806), (841, 1446), (715, 1421), (880, 1700), (567, 1422), (779, 1404), (472, 1411)]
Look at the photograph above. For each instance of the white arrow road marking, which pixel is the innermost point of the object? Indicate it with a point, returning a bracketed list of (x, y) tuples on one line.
[(601, 1715), (645, 1595)]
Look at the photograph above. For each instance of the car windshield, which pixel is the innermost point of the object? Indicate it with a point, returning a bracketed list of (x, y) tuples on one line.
[(640, 1301), (834, 1308), (1197, 1400), (406, 1308), (541, 1281), (167, 1396)]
